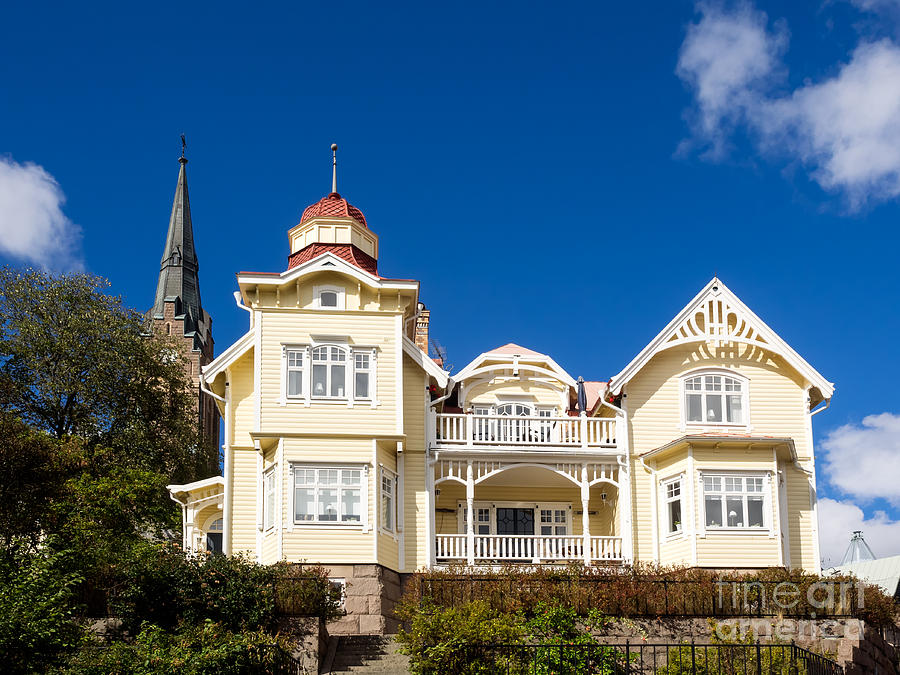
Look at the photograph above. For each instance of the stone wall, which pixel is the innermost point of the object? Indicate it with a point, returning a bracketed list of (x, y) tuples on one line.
[(309, 638), (858, 647), (371, 594)]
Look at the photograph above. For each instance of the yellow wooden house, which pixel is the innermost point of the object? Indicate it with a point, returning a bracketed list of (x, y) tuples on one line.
[(347, 445)]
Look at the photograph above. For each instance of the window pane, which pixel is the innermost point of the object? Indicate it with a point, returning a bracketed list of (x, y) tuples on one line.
[(295, 359), (712, 483), (484, 529), (755, 512), (304, 504), (295, 383), (546, 516), (337, 354), (755, 484), (362, 385), (337, 380), (328, 476), (328, 299), (320, 380), (561, 530), (387, 511), (693, 384), (735, 508), (320, 354), (675, 516), (734, 484), (304, 476), (713, 511), (713, 408), (733, 403), (713, 383), (350, 477), (270, 506), (328, 504), (351, 506), (694, 408), (546, 530)]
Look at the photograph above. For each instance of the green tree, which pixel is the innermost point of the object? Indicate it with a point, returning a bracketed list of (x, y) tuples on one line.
[(35, 468), (75, 362)]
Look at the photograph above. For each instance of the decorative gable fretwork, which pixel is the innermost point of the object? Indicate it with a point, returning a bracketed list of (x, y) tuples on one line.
[(717, 321), (716, 316), (482, 469)]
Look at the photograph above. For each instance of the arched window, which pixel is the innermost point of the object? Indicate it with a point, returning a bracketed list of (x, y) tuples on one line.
[(329, 372), (214, 536), (715, 398), (329, 297)]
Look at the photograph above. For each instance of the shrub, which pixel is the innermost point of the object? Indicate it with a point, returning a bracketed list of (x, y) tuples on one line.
[(208, 649), (162, 585), (36, 611), (645, 590)]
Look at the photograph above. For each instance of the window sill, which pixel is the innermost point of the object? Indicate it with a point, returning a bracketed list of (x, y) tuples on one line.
[(674, 536), (361, 402), (738, 530), (339, 526), (716, 425)]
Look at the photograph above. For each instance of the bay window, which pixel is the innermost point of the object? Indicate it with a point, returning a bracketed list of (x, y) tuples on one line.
[(329, 494), (269, 501), (734, 501), (388, 500), (715, 398), (673, 505)]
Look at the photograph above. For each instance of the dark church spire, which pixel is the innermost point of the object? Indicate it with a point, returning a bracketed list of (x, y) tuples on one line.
[(179, 280)]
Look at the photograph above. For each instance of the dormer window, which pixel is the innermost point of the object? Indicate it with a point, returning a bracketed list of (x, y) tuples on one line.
[(715, 398), (329, 297)]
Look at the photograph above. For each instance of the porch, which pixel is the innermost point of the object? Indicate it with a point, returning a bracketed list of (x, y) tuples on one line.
[(528, 512), (516, 431)]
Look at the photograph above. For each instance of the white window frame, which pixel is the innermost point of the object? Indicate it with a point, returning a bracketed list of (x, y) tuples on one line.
[(387, 501), (303, 351), (667, 487), (362, 523), (340, 291), (723, 494), (720, 372), (330, 365), (306, 397), (492, 506), (270, 498)]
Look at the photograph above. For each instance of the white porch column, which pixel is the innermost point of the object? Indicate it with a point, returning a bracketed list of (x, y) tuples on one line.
[(585, 514), (470, 515), (625, 487), (430, 505)]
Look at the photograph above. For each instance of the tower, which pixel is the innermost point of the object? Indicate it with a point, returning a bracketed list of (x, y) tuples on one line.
[(177, 310)]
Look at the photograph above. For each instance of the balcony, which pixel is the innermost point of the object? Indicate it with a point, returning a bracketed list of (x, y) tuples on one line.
[(532, 549), (516, 432)]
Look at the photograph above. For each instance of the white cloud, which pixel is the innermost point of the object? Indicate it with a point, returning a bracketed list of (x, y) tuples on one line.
[(837, 522), (864, 460), (844, 129), (728, 58), (33, 227)]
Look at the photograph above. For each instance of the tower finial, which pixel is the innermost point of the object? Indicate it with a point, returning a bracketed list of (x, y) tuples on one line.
[(182, 159), (334, 167)]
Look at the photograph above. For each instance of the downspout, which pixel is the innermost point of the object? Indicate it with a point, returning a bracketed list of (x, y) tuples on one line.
[(206, 389)]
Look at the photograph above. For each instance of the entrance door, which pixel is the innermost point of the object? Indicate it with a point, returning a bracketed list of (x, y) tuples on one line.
[(516, 522)]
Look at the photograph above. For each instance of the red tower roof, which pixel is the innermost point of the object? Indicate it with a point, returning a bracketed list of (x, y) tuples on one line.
[(336, 206)]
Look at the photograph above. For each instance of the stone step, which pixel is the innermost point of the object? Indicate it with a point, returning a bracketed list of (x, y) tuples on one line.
[(368, 654)]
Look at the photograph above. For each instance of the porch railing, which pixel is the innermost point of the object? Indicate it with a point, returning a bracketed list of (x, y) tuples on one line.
[(526, 548), (506, 430)]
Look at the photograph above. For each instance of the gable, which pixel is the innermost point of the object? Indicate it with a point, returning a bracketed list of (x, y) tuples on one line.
[(718, 317)]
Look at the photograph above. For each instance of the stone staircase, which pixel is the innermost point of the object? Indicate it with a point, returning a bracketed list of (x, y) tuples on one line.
[(364, 654)]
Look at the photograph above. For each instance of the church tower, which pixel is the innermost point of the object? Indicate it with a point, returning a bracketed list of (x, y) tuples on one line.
[(177, 310)]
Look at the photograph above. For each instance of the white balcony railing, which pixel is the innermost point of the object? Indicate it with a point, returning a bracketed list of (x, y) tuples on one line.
[(520, 431), (527, 548)]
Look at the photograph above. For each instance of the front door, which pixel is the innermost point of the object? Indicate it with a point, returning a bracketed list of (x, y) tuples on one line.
[(516, 522)]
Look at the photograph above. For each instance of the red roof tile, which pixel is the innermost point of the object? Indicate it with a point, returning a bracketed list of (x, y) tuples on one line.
[(348, 252), (335, 206)]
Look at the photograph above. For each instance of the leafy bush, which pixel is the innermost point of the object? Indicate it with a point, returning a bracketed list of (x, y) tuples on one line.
[(475, 639), (36, 612), (208, 649), (645, 590), (162, 585)]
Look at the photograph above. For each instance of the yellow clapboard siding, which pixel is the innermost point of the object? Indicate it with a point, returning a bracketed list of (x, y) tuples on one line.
[(415, 513), (243, 400), (776, 409), (285, 328), (243, 533)]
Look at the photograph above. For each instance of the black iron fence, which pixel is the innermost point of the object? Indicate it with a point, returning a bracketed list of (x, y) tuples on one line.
[(626, 597), (637, 659)]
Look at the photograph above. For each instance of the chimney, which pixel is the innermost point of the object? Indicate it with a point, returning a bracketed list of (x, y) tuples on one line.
[(422, 328)]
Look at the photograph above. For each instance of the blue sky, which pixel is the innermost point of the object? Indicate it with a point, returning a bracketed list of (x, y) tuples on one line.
[(564, 176)]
